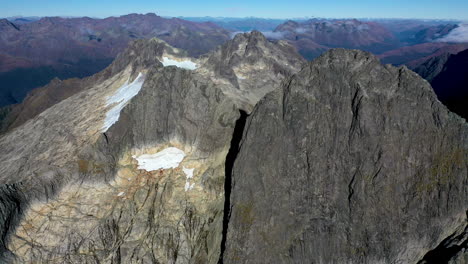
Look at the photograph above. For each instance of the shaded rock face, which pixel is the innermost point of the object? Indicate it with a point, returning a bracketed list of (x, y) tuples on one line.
[(448, 75), (350, 162)]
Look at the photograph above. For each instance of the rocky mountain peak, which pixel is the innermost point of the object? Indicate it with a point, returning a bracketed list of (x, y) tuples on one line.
[(5, 24), (251, 66), (367, 158)]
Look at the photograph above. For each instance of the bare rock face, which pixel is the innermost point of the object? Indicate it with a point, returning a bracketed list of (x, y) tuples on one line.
[(350, 162), (250, 66)]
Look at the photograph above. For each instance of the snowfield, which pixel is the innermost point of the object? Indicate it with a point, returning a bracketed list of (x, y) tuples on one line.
[(168, 158), (123, 95), (186, 64)]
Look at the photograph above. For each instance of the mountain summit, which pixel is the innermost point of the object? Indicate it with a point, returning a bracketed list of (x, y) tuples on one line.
[(246, 154)]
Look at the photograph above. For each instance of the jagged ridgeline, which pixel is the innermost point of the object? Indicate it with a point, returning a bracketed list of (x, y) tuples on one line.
[(247, 154)]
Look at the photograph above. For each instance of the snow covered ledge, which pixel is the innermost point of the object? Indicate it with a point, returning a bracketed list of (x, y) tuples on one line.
[(185, 64), (168, 158), (121, 98)]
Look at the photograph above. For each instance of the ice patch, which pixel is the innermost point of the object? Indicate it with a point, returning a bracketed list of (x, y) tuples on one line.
[(185, 64), (121, 97), (165, 159), (188, 172), (189, 186), (189, 175)]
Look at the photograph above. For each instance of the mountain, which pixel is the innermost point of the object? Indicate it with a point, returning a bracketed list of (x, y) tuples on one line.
[(338, 33), (448, 75), (247, 154), (78, 47), (19, 20), (248, 66), (425, 34), (152, 101), (350, 161), (414, 55), (241, 24)]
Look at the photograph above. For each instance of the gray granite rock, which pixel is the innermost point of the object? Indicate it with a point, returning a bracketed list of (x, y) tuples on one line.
[(350, 162)]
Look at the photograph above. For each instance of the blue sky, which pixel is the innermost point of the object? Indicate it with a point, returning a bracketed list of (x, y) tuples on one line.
[(437, 9)]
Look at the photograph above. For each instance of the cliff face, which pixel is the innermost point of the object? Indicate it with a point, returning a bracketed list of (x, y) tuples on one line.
[(350, 162), (448, 75)]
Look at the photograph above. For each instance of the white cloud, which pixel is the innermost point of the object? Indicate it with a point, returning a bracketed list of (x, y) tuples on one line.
[(300, 30), (273, 35), (459, 34)]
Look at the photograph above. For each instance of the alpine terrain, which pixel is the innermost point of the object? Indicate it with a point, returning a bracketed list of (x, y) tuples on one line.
[(244, 154)]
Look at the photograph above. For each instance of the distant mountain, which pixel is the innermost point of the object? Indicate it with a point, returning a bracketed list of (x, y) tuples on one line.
[(414, 55), (425, 34), (23, 20), (352, 33), (78, 47), (241, 24), (448, 75)]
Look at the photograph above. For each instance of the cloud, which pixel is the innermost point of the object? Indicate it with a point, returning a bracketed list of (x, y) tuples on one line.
[(459, 34), (363, 27), (273, 35), (267, 34), (300, 30)]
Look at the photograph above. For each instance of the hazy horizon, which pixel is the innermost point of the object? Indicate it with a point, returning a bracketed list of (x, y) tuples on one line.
[(367, 9)]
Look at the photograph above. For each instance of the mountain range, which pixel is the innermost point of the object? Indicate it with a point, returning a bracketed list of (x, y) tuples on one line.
[(245, 154), (78, 47)]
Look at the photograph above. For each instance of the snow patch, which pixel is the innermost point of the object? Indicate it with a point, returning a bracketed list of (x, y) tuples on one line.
[(189, 175), (123, 95), (168, 158), (185, 64), (120, 194), (189, 186), (188, 172)]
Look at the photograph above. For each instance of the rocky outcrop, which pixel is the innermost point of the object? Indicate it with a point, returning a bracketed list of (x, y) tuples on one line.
[(350, 162), (250, 66)]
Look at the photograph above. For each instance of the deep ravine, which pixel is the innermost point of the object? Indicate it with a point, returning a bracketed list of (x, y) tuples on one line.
[(230, 159)]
